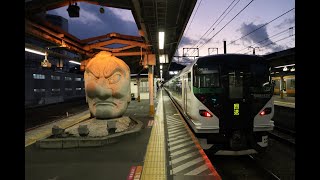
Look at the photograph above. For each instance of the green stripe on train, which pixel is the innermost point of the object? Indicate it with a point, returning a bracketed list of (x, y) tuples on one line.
[(207, 90)]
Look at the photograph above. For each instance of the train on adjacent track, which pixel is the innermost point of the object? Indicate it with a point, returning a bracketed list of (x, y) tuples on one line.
[(288, 85), (227, 100)]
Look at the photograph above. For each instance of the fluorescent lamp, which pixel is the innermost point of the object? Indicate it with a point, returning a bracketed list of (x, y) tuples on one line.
[(74, 62), (161, 40), (284, 65), (163, 58), (161, 67), (34, 51)]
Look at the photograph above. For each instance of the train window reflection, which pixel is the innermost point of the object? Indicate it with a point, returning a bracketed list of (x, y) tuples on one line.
[(235, 85), (206, 78)]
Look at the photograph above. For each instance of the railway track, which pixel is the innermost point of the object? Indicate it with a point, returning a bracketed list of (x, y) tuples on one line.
[(40, 116), (241, 168), (283, 135)]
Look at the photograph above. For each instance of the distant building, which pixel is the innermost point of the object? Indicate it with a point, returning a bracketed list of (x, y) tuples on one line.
[(62, 81)]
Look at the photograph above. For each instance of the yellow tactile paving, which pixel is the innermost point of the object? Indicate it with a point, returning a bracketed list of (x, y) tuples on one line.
[(45, 131), (155, 160)]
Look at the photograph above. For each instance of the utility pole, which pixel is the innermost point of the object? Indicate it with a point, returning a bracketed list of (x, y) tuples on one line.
[(254, 48)]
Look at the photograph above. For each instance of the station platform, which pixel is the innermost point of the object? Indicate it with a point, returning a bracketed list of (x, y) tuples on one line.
[(285, 101), (165, 148)]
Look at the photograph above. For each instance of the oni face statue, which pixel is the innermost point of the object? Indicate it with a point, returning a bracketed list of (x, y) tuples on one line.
[(107, 86)]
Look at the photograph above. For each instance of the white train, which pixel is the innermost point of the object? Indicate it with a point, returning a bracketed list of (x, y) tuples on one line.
[(227, 101)]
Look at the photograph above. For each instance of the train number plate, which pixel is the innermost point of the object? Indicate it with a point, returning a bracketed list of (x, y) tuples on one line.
[(264, 141), (236, 109)]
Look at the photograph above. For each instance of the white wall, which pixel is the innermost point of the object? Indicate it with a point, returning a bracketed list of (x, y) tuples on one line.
[(134, 89)]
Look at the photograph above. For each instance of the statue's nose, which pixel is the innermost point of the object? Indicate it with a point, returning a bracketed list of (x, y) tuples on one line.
[(98, 89), (103, 92)]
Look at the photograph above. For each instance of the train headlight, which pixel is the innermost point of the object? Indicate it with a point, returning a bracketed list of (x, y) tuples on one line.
[(205, 113), (266, 111)]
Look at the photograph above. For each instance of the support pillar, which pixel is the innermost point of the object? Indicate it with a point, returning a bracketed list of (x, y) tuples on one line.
[(150, 80), (281, 87), (138, 84)]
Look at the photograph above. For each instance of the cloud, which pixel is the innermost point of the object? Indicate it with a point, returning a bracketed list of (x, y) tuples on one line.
[(189, 42), (286, 22), (92, 23), (125, 15), (277, 48), (183, 60), (186, 41), (258, 37)]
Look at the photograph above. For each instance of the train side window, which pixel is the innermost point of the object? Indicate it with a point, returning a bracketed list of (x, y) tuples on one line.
[(206, 78)]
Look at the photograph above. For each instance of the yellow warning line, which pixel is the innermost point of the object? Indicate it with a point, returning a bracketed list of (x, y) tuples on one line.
[(155, 160), (287, 104), (207, 161), (137, 174)]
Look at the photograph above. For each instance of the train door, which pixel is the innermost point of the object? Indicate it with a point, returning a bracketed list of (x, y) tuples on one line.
[(237, 109), (188, 94), (185, 90), (283, 87)]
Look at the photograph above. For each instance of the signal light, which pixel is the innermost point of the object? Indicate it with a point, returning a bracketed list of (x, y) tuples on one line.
[(205, 113), (266, 111)]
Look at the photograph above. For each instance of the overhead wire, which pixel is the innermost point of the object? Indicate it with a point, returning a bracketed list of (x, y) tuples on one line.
[(274, 42), (266, 39), (278, 40), (227, 24), (262, 26), (217, 24), (210, 28), (193, 18)]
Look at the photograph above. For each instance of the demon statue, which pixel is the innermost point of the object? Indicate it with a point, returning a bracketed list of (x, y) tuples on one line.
[(107, 86)]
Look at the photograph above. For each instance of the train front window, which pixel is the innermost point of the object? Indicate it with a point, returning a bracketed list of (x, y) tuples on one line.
[(206, 78), (235, 84), (258, 78)]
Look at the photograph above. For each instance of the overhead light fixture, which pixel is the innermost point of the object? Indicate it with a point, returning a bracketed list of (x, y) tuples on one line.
[(73, 10), (34, 51), (160, 67), (292, 69), (45, 62), (285, 68), (163, 58), (161, 40), (284, 65), (101, 10), (75, 62)]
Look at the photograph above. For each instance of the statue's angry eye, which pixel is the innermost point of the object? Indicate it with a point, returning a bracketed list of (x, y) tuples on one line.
[(114, 78)]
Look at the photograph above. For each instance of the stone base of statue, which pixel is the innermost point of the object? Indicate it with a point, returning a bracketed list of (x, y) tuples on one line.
[(92, 133)]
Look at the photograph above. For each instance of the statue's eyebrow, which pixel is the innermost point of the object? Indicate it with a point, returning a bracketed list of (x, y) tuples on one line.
[(94, 73), (108, 74)]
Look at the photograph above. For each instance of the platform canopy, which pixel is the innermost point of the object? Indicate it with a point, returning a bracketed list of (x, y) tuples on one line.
[(151, 16)]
